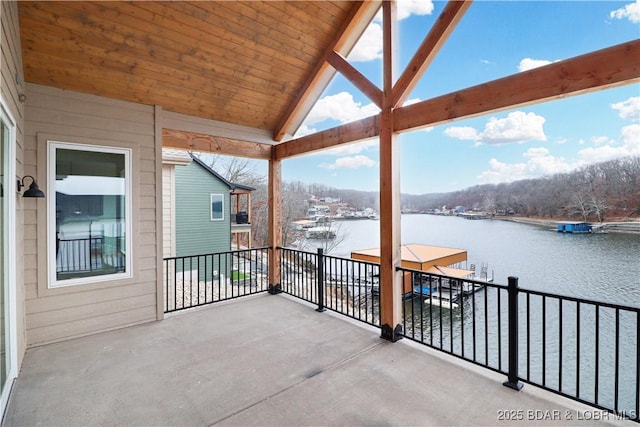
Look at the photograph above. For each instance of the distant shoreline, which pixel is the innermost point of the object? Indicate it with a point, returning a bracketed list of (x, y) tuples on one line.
[(631, 227)]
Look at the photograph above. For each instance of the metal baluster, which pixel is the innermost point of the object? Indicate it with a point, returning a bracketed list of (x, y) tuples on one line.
[(578, 349), (498, 293), (560, 344), (544, 340)]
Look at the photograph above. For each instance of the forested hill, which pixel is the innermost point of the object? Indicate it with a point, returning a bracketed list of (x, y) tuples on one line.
[(598, 192)]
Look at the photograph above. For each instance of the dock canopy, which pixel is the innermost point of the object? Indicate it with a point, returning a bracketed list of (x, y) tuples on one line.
[(451, 272), (417, 256)]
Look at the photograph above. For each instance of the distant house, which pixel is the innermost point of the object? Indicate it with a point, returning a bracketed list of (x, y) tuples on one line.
[(318, 211), (202, 212), (574, 227)]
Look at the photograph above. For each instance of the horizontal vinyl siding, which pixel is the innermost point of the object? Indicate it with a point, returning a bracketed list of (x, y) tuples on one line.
[(196, 234), (61, 313), (168, 207)]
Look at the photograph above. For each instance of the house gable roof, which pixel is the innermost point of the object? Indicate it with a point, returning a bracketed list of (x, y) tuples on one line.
[(231, 185)]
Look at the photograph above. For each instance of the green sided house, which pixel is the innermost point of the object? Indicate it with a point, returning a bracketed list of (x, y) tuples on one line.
[(204, 217)]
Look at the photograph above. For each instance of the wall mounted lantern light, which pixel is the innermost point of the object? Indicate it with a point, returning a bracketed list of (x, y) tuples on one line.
[(33, 191)]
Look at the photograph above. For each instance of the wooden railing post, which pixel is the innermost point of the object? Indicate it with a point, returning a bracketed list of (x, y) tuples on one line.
[(275, 225), (390, 279)]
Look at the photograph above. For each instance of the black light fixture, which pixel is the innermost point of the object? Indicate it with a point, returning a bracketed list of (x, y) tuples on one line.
[(33, 191)]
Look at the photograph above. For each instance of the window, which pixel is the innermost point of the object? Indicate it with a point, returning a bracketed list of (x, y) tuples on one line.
[(217, 207), (89, 213)]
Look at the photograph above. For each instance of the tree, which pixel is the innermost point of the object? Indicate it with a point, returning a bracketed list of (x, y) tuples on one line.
[(326, 244)]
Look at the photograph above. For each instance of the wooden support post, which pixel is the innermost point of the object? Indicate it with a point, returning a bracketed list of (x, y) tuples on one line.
[(275, 224), (390, 279)]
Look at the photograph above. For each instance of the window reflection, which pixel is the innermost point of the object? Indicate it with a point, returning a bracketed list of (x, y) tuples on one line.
[(90, 216)]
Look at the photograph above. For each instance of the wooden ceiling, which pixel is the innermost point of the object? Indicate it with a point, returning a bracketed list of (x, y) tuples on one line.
[(256, 64), (263, 64)]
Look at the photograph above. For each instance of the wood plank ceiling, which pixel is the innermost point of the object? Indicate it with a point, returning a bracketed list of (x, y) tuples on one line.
[(263, 64), (237, 62)]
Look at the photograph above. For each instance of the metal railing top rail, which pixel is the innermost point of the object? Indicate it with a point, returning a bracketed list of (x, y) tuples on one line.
[(526, 290), (580, 300), (444, 276), (234, 251)]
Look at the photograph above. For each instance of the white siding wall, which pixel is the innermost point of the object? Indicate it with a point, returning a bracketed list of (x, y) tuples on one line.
[(168, 211), (61, 313), (11, 86)]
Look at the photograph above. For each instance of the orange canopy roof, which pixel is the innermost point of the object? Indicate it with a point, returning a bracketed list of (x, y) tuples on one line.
[(417, 256)]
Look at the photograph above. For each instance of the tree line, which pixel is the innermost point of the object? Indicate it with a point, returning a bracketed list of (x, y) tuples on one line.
[(603, 191), (596, 192)]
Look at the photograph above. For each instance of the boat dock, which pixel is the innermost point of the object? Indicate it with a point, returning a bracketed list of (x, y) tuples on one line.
[(439, 273), (574, 227)]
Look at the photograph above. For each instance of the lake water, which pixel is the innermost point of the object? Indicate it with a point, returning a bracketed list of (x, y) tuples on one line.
[(601, 267), (598, 267)]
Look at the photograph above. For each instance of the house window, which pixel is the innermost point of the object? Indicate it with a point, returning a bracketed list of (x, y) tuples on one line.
[(89, 213), (217, 207)]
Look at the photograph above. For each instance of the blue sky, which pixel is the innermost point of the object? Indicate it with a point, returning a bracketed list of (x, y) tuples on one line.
[(494, 39)]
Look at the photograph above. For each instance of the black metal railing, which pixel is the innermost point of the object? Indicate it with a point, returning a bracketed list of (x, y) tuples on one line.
[(436, 313), (586, 350), (191, 281), (90, 254), (343, 285)]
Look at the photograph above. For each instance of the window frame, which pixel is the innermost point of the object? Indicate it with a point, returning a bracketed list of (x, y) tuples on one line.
[(211, 197), (53, 282), (10, 249)]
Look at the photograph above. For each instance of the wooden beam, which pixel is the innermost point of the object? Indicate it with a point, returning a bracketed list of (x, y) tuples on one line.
[(447, 21), (611, 67), (390, 255), (275, 223), (606, 68), (215, 144), (347, 133), (341, 65), (360, 17)]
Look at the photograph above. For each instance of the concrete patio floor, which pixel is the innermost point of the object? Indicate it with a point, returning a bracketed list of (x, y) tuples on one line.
[(266, 360)]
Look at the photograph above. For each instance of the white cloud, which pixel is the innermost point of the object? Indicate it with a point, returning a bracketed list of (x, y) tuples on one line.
[(350, 162), (630, 11), (601, 140), (530, 63), (539, 160), (305, 130), (502, 172), (350, 149), (629, 109), (465, 133), (411, 101), (536, 152), (369, 47), (542, 163), (407, 8), (340, 107), (518, 126), (630, 138)]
